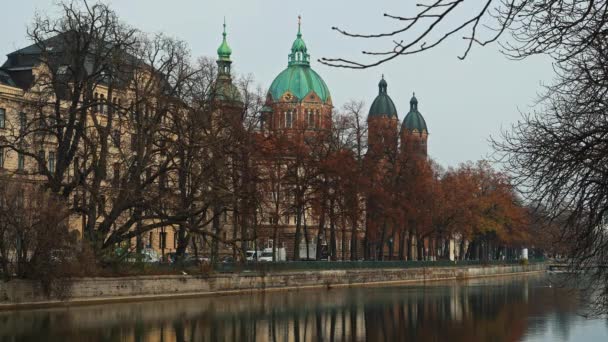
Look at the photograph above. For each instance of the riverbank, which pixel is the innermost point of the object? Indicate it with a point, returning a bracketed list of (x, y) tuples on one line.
[(17, 294)]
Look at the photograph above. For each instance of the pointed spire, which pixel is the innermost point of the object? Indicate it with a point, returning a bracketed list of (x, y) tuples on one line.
[(299, 26), (224, 34), (224, 51)]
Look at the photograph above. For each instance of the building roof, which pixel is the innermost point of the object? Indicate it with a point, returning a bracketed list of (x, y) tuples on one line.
[(299, 79), (383, 105), (414, 121)]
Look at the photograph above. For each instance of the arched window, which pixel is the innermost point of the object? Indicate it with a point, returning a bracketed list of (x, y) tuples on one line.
[(52, 162), (311, 119), (289, 119), (102, 104), (283, 123), (2, 117)]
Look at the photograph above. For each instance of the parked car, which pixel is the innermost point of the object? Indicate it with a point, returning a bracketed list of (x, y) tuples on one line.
[(280, 255), (227, 259), (252, 255), (148, 255)]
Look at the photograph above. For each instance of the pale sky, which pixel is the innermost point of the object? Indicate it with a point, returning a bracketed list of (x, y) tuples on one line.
[(463, 102)]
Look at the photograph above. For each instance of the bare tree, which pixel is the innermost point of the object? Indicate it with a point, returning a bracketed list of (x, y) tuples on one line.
[(558, 154)]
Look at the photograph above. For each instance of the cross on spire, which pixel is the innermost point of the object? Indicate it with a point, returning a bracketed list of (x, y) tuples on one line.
[(299, 25)]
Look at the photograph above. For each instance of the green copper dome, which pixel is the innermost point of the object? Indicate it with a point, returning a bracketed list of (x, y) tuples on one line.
[(224, 51), (299, 79), (413, 120), (383, 105)]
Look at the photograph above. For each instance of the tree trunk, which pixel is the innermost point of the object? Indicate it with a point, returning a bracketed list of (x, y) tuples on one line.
[(216, 226), (410, 247), (320, 233), (381, 244), (332, 233), (420, 245), (402, 245), (353, 241)]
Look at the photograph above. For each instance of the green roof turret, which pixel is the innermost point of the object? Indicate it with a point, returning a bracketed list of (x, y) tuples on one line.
[(414, 121), (224, 51), (383, 105)]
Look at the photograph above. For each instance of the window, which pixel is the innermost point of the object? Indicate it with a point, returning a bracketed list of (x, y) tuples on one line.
[(19, 201), (134, 141), (102, 204), (52, 162), (1, 157), (162, 181), (102, 104), (162, 240), (116, 178), (116, 135), (289, 119), (175, 239), (62, 70), (41, 161), (22, 122), (311, 119), (76, 167), (2, 117), (150, 239), (20, 161), (42, 124)]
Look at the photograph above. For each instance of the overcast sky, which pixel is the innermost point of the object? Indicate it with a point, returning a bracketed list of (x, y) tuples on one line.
[(463, 102)]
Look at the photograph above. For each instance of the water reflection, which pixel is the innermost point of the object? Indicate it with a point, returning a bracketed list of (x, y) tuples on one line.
[(507, 309)]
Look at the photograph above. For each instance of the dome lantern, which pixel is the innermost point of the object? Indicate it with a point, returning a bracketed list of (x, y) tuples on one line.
[(299, 52), (414, 121)]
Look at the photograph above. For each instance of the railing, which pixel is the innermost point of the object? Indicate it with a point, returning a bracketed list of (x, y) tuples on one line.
[(349, 265)]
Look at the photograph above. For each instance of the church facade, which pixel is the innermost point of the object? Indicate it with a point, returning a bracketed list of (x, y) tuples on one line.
[(299, 105)]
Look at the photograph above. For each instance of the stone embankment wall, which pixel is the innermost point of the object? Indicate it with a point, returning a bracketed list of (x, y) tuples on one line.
[(23, 293)]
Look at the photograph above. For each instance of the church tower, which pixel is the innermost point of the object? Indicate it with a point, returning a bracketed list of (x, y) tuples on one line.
[(224, 94), (414, 133), (382, 122)]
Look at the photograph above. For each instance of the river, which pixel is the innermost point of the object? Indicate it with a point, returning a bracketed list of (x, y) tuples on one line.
[(520, 308)]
